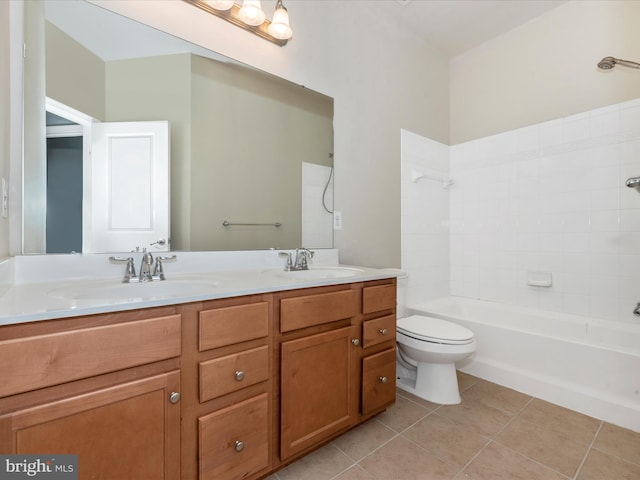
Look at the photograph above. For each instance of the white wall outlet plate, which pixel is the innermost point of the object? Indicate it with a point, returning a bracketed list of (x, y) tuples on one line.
[(337, 220)]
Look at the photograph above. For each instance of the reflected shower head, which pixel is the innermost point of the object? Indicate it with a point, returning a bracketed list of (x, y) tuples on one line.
[(607, 63)]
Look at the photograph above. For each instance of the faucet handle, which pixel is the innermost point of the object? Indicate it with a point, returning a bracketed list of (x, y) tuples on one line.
[(130, 271), (158, 271), (289, 261)]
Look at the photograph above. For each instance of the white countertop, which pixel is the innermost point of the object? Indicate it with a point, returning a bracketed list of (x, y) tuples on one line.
[(24, 301)]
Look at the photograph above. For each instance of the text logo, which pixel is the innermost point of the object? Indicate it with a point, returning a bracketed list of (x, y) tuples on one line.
[(40, 467)]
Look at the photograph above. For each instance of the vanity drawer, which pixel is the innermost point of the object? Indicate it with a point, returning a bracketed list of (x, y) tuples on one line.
[(378, 298), (225, 326), (234, 441), (378, 330), (233, 372), (378, 380), (301, 312), (82, 353)]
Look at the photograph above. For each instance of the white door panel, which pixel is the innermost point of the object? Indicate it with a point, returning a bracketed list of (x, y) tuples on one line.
[(128, 201)]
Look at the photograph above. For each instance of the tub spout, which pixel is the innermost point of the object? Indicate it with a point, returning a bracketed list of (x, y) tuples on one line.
[(636, 312)]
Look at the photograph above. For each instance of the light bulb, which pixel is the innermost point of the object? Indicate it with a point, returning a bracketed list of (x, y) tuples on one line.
[(279, 27), (251, 13), (220, 4)]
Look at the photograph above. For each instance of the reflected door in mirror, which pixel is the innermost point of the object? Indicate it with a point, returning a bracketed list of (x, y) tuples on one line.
[(129, 200)]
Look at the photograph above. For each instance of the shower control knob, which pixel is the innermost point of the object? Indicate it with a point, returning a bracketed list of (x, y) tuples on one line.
[(239, 375)]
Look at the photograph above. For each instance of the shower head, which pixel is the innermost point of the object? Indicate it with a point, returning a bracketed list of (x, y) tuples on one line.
[(633, 182), (607, 63)]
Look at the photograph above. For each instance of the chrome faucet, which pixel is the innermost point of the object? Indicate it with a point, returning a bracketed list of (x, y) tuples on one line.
[(302, 255), (145, 267), (300, 262)]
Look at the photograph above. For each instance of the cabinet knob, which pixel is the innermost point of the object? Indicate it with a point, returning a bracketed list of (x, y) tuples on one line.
[(383, 379), (356, 341), (174, 397), (239, 375), (239, 445), (383, 331)]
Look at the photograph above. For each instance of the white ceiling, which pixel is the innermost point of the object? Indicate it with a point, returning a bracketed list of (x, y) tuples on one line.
[(455, 26)]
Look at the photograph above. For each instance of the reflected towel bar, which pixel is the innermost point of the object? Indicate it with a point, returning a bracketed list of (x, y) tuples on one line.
[(275, 224)]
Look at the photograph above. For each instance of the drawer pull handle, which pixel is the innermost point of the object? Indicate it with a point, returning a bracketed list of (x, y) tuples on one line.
[(239, 445), (239, 377), (356, 341), (383, 331), (383, 379), (174, 397)]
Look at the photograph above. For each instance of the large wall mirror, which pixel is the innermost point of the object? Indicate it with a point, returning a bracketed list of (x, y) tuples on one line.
[(246, 148)]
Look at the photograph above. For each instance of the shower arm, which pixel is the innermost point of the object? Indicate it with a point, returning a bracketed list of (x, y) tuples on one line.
[(627, 63)]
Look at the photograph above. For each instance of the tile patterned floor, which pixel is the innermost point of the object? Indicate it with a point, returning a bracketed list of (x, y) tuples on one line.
[(494, 434)]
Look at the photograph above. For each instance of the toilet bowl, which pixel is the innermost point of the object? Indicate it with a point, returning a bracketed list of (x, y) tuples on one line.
[(428, 349)]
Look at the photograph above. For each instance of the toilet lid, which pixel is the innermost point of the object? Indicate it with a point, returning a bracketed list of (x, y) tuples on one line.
[(434, 330)]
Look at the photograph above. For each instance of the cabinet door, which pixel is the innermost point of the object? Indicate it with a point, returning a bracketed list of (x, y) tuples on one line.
[(234, 441), (317, 389), (378, 380), (127, 431)]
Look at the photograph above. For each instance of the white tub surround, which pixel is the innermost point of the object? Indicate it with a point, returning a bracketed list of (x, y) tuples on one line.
[(425, 216), (53, 286), (551, 198), (581, 363)]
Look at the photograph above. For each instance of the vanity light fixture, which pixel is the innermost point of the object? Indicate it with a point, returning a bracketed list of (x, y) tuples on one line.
[(249, 16)]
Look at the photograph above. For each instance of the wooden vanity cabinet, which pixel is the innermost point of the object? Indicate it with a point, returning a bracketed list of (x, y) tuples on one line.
[(104, 387), (337, 360), (225, 389), (318, 385), (378, 389), (227, 369)]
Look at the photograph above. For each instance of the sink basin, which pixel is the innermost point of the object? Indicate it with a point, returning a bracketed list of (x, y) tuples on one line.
[(108, 290), (320, 273)]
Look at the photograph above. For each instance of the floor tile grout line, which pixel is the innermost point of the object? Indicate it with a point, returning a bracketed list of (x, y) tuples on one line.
[(372, 452), (584, 458), (494, 439), (617, 457), (357, 465), (512, 419), (538, 462), (491, 438), (460, 469), (464, 467)]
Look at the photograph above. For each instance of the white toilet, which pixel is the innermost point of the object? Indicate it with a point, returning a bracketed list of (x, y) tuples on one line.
[(428, 349)]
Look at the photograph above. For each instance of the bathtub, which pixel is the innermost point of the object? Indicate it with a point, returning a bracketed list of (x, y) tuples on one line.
[(585, 364)]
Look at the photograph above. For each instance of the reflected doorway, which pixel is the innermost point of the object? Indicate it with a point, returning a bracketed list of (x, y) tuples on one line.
[(64, 185)]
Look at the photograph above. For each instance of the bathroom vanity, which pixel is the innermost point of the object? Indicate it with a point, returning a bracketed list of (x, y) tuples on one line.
[(228, 387)]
